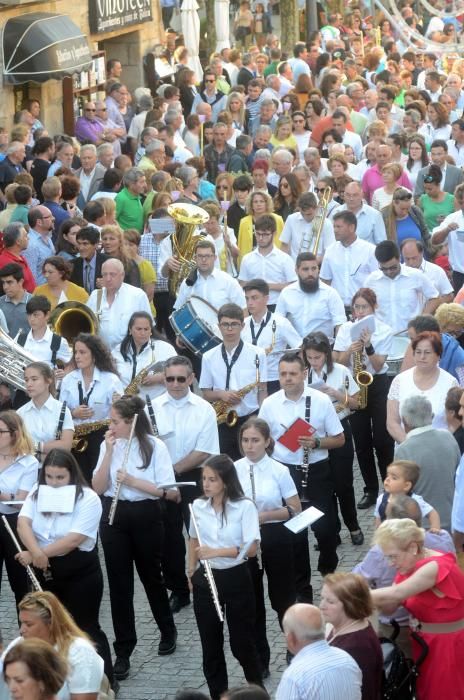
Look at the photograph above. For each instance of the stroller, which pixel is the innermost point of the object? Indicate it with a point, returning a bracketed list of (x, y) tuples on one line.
[(400, 673)]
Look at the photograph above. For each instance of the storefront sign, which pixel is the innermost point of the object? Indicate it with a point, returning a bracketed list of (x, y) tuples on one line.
[(112, 15)]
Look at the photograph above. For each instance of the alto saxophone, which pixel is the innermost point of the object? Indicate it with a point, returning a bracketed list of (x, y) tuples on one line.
[(134, 386), (224, 413), (362, 377), (79, 443)]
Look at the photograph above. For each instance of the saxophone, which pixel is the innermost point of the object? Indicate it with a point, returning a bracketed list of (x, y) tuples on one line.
[(134, 386), (362, 377), (227, 415), (79, 443)]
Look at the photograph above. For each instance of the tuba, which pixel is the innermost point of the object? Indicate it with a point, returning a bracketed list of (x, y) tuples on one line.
[(310, 241), (13, 361), (70, 318), (363, 379), (184, 240)]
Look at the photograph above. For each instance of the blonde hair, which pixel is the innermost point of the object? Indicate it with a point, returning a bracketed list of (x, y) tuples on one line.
[(109, 206), (401, 532), (21, 441), (267, 198), (394, 168), (449, 315), (121, 254)]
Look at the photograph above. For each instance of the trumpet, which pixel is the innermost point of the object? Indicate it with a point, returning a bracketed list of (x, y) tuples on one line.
[(227, 415), (117, 491)]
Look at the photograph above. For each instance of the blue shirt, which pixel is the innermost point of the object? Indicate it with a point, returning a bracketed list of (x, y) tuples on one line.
[(406, 228), (38, 250)]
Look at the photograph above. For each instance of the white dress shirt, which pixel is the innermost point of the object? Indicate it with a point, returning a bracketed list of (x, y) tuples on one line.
[(455, 244), (322, 310), (19, 476), (155, 351), (340, 378), (86, 181), (353, 140), (158, 472), (296, 227), (381, 341), (456, 151), (41, 350), (279, 412), (217, 288), (401, 298), (186, 424), (239, 525), (214, 372), (285, 337), (99, 393), (276, 267), (272, 483), (114, 319), (41, 423), (437, 276), (84, 520), (346, 267)]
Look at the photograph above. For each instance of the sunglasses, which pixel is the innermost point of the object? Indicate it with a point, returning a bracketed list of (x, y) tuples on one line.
[(180, 380), (429, 178), (209, 81)]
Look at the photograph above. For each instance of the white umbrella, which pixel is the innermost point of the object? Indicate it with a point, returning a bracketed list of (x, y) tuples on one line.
[(221, 15), (191, 32)]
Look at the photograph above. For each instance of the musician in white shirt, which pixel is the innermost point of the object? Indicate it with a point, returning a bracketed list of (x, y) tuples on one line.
[(300, 229), (115, 303), (40, 341), (412, 251), (187, 425)]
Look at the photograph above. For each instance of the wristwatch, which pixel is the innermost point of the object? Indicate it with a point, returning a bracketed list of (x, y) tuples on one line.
[(317, 443)]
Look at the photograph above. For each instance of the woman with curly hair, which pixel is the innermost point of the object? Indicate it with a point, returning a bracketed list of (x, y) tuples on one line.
[(286, 197), (58, 288), (259, 203), (112, 238)]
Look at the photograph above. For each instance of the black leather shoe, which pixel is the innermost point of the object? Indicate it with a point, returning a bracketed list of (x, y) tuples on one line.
[(121, 668), (177, 602), (357, 538), (367, 500), (167, 644)]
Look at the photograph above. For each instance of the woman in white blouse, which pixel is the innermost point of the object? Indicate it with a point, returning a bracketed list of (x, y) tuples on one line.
[(228, 528), (269, 484), (42, 616), (59, 533), (89, 391), (136, 535), (143, 347), (426, 378), (18, 474), (337, 382)]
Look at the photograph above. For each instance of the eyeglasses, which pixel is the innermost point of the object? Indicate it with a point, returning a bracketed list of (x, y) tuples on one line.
[(264, 233), (429, 178), (389, 268), (204, 257), (232, 326), (90, 110), (284, 184), (209, 80), (319, 189), (361, 307), (180, 379)]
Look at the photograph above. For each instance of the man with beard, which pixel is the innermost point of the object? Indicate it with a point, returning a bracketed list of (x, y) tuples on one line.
[(311, 305)]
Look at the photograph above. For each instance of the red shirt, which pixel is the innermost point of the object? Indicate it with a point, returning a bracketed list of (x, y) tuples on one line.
[(6, 258)]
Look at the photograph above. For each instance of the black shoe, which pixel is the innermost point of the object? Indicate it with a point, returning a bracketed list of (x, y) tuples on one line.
[(167, 644), (367, 500), (357, 538), (177, 602), (121, 668)]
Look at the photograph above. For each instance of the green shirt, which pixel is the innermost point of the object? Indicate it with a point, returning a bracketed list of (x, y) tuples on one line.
[(271, 69), (129, 210), (435, 212)]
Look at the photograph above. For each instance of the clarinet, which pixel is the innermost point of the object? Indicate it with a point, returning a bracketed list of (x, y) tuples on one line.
[(208, 570), (117, 491), (259, 557), (151, 413), (34, 580), (59, 427), (306, 452)]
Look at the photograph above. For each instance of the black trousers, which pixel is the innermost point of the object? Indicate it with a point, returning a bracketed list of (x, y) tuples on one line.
[(319, 493), (166, 14), (370, 433), (341, 466), (77, 581), (164, 303), (88, 459), (235, 591), (458, 281), (17, 575), (278, 563), (174, 517), (228, 437), (136, 537)]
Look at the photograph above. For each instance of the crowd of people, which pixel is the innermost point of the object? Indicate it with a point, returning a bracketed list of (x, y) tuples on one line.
[(216, 294)]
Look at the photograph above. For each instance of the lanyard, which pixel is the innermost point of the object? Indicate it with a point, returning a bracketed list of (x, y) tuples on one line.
[(84, 400), (135, 355), (262, 326), (308, 410), (234, 359), (310, 377)]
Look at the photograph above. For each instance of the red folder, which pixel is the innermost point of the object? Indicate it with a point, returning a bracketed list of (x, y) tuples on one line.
[(299, 428)]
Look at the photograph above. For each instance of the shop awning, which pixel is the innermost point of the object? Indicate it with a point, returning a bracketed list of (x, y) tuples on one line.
[(41, 46)]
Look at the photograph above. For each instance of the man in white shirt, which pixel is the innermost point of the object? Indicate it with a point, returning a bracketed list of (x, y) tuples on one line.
[(300, 230), (349, 138), (115, 303), (400, 290), (188, 427), (412, 251), (207, 282), (456, 142), (371, 226), (349, 260), (311, 305), (451, 230), (318, 670), (266, 261)]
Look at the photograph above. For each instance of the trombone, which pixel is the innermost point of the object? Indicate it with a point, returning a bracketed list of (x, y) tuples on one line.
[(310, 240)]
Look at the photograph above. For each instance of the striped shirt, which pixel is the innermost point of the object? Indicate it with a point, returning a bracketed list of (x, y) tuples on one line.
[(321, 672)]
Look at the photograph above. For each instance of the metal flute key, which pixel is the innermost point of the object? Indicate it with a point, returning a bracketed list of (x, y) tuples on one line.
[(30, 573), (208, 570)]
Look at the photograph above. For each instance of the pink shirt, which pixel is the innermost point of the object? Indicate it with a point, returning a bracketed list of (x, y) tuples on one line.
[(372, 180)]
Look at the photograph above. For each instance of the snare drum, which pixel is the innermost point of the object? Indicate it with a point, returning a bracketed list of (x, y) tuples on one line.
[(397, 353), (196, 323)]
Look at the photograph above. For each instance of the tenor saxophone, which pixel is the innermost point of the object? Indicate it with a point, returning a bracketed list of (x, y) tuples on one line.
[(362, 377)]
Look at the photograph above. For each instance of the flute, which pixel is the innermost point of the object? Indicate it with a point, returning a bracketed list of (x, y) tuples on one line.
[(117, 491), (259, 557), (29, 570), (208, 570)]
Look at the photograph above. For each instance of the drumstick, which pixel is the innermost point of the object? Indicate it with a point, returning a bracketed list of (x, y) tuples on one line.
[(30, 573)]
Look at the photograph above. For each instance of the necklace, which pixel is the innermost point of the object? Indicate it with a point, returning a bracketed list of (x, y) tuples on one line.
[(343, 629)]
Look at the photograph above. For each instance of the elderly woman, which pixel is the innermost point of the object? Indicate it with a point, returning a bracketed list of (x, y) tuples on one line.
[(430, 585), (425, 378), (404, 220), (259, 203), (382, 197), (451, 318), (347, 605)]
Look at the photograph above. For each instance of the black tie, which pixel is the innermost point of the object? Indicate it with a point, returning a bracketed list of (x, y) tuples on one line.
[(234, 359)]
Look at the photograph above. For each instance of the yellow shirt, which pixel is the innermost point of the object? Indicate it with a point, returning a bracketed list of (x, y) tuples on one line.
[(245, 234), (147, 276), (72, 291)]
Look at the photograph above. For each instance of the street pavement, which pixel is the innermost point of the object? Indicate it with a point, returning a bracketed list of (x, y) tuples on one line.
[(159, 678)]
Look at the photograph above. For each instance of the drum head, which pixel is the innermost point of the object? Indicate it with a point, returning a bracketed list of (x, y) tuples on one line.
[(207, 313)]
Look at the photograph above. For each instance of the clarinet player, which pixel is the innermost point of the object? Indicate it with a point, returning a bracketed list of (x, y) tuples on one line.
[(136, 535), (228, 528)]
